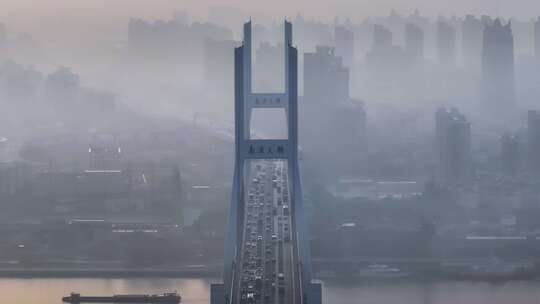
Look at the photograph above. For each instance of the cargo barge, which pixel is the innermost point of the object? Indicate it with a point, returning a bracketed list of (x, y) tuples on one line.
[(167, 298)]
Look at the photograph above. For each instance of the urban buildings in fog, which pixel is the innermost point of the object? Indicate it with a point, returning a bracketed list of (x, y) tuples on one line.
[(310, 33), (533, 138), (382, 38), (171, 45), (385, 60), (498, 81), (537, 39), (414, 42), (472, 31), (394, 70), (344, 39), (453, 138), (329, 112), (446, 43), (104, 154), (62, 88), (326, 79), (512, 154)]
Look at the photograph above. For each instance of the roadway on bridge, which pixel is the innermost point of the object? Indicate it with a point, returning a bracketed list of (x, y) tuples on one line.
[(266, 272)]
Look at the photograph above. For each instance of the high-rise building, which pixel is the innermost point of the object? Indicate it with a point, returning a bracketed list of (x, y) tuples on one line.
[(414, 41), (537, 39), (382, 38), (344, 45), (385, 60), (311, 33), (533, 136), (329, 112), (498, 67), (446, 43), (472, 30), (511, 154), (453, 136), (326, 80)]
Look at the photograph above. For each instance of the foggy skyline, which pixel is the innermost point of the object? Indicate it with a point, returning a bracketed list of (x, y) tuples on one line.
[(391, 140), (56, 17)]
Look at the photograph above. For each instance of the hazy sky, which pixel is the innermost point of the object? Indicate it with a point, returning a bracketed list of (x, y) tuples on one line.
[(63, 15)]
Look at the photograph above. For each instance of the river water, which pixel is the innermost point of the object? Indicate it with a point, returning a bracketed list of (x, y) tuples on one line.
[(196, 291)]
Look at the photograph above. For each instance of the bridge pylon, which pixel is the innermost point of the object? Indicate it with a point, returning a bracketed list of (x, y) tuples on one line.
[(248, 149)]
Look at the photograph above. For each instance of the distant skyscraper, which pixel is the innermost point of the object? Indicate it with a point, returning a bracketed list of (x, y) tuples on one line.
[(382, 38), (344, 45), (326, 80), (453, 135), (533, 136), (537, 39), (268, 76), (312, 33), (498, 66), (329, 112), (511, 154), (385, 61), (446, 43), (414, 41), (472, 29)]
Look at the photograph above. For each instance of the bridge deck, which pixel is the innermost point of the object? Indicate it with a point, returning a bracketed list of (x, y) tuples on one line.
[(266, 273)]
